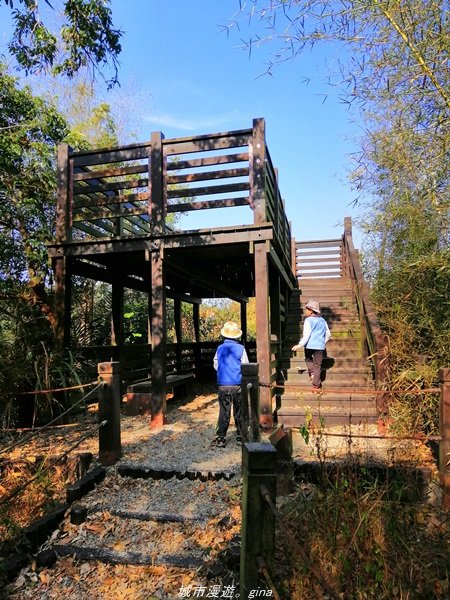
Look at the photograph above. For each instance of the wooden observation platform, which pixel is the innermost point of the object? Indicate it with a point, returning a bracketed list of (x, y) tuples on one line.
[(113, 226)]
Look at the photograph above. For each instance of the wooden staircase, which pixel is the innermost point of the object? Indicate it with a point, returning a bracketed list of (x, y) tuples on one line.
[(344, 399)]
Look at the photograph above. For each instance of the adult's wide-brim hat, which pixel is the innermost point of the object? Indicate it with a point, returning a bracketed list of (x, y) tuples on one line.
[(314, 306), (230, 330)]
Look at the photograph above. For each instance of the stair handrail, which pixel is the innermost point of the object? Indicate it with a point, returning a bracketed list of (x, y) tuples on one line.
[(375, 338)]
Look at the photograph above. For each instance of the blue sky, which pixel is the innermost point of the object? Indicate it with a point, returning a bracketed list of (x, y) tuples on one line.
[(188, 77)]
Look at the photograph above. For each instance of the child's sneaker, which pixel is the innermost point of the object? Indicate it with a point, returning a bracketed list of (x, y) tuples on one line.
[(220, 442)]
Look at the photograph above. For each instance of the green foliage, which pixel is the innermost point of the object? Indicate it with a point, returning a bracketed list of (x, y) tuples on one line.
[(214, 313), (30, 129), (87, 37)]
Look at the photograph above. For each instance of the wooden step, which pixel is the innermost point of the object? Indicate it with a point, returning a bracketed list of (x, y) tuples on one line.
[(298, 418), (337, 403), (332, 378)]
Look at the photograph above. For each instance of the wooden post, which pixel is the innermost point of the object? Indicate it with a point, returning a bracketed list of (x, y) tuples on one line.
[(178, 333), (110, 449), (244, 322), (197, 349), (63, 203), (63, 301), (157, 204), (262, 331), (158, 333), (117, 329), (275, 308), (444, 447), (257, 165), (250, 403), (258, 520)]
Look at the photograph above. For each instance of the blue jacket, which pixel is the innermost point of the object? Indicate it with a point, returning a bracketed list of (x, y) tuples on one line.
[(227, 362), (315, 333)]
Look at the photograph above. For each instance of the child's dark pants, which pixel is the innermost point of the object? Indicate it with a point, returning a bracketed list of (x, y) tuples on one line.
[(313, 359), (229, 395)]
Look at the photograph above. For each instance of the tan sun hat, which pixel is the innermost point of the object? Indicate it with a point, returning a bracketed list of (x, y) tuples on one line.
[(314, 306), (230, 330)]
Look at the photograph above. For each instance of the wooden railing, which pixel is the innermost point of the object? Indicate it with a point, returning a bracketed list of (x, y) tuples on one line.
[(319, 258), (373, 336), (129, 191), (135, 359)]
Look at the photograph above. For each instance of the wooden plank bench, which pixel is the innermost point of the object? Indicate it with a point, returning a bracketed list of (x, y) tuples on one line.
[(139, 393)]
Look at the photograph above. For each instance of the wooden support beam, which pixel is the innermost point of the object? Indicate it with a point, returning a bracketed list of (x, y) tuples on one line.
[(275, 302), (257, 171), (444, 447), (63, 301), (63, 198), (117, 325), (157, 206), (178, 333), (158, 337), (244, 321), (197, 350), (263, 331)]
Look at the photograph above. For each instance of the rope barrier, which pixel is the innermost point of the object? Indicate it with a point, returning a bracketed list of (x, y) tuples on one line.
[(362, 392), (418, 437), (52, 464), (73, 387), (50, 423), (313, 569)]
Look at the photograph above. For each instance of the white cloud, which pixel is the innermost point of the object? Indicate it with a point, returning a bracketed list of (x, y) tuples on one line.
[(200, 124)]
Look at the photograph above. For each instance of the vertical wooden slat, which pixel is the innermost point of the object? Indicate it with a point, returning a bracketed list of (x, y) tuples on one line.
[(257, 171), (158, 336), (262, 331)]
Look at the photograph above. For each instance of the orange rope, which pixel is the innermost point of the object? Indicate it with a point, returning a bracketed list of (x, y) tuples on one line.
[(421, 438), (74, 387), (322, 392)]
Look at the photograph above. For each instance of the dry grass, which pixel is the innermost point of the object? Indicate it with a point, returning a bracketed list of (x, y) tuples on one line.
[(367, 540)]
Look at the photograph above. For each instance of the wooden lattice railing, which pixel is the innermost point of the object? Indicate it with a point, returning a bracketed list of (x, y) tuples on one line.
[(127, 192)]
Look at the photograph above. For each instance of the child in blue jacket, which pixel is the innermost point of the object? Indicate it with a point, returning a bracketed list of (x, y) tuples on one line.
[(227, 362)]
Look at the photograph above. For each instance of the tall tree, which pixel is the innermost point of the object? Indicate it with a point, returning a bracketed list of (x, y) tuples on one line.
[(86, 38), (30, 129), (394, 67)]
